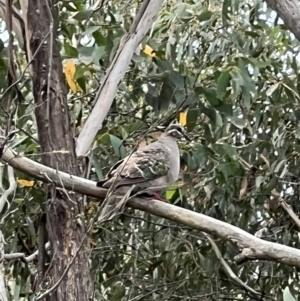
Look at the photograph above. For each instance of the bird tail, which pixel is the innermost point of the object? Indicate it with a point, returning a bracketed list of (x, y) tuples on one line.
[(114, 205)]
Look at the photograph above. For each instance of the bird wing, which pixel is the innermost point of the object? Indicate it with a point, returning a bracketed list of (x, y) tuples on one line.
[(144, 165)]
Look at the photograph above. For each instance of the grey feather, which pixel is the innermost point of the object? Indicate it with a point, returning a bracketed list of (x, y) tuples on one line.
[(151, 169)]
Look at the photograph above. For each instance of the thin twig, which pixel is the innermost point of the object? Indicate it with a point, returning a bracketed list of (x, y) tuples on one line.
[(287, 208), (11, 188), (227, 268), (289, 211), (23, 73), (55, 286), (33, 256)]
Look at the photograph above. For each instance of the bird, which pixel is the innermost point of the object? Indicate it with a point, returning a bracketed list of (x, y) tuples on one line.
[(150, 170)]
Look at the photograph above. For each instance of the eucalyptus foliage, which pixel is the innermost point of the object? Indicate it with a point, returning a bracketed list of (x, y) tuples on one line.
[(230, 72)]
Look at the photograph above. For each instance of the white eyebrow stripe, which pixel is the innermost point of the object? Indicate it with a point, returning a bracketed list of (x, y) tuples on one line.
[(172, 131)]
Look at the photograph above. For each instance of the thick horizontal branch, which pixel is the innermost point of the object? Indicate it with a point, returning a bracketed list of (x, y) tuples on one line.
[(260, 249), (264, 250), (47, 174)]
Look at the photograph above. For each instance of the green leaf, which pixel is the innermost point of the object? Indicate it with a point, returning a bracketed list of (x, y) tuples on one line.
[(91, 29), (200, 155), (3, 69), (252, 34), (163, 65), (231, 151), (210, 95), (1, 45), (104, 139), (223, 83), (70, 51), (83, 15), (117, 145), (98, 53), (86, 51), (271, 185), (260, 180), (204, 16), (190, 162), (287, 296), (182, 12), (98, 168), (166, 96), (167, 70), (177, 79), (17, 289), (289, 93), (99, 38), (82, 83), (123, 132), (118, 294), (80, 71), (270, 91), (280, 164), (213, 116), (226, 8), (192, 117), (224, 173), (170, 193), (31, 230), (247, 85)]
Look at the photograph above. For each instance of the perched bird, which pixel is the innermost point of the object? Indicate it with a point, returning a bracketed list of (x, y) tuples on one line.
[(151, 170)]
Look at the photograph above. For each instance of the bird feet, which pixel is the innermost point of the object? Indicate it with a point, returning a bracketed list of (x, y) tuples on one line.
[(153, 195), (158, 197)]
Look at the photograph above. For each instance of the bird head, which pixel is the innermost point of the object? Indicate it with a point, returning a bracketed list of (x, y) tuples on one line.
[(177, 131)]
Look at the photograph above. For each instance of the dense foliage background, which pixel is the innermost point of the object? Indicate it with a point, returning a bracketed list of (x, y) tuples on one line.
[(229, 72)]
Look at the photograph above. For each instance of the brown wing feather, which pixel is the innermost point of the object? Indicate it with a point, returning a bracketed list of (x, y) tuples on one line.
[(127, 171)]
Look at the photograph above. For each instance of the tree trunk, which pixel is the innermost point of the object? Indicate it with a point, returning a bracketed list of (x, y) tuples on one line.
[(57, 146), (288, 11)]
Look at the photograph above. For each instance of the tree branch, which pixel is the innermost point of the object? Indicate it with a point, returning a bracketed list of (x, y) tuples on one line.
[(105, 95), (290, 212), (227, 268), (2, 273), (289, 12), (253, 248), (10, 189), (47, 174), (33, 256), (5, 193), (17, 22)]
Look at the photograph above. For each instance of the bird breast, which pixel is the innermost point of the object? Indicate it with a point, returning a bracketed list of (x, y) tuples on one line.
[(174, 162)]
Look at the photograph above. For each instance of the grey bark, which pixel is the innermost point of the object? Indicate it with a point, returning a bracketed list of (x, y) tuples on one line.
[(289, 12), (253, 248), (57, 145)]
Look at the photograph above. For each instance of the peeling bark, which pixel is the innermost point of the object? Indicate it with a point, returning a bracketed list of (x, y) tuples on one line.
[(57, 146)]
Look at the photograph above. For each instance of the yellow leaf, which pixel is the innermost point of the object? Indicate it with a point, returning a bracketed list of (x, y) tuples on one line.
[(69, 71), (25, 183), (149, 51), (70, 67), (182, 118)]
